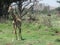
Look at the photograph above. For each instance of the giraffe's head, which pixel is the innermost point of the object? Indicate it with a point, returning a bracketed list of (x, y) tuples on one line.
[(9, 9)]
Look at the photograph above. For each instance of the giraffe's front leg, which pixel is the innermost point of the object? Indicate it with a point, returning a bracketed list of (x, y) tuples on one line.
[(15, 28)]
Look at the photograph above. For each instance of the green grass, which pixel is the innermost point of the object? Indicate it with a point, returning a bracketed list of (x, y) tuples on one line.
[(33, 33)]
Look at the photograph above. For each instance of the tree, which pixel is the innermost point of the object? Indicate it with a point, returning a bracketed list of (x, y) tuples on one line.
[(58, 9), (58, 1)]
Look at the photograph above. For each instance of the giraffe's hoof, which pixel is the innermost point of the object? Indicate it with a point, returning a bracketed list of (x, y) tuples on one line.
[(23, 39)]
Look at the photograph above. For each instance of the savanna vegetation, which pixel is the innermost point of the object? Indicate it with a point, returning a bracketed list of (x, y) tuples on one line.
[(38, 28), (37, 32)]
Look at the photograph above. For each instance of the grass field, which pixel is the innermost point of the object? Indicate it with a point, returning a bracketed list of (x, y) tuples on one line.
[(34, 33)]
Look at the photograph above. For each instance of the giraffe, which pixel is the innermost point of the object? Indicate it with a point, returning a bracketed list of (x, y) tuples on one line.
[(15, 13)]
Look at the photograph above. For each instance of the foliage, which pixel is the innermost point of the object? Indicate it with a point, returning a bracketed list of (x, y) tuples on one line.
[(58, 1), (58, 8), (33, 33)]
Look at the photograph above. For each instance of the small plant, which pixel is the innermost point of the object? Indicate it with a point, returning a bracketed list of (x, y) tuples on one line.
[(57, 40)]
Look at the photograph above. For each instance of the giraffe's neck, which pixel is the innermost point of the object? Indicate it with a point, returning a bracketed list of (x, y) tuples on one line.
[(16, 18)]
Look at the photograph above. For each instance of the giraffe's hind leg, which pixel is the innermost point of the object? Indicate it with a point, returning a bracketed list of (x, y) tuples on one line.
[(19, 28), (15, 28)]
